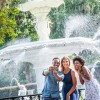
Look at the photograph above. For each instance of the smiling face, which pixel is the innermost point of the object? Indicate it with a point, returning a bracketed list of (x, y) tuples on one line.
[(56, 62), (77, 65), (65, 63)]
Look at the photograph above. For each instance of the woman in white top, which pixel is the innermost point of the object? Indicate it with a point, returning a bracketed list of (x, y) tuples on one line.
[(92, 88)]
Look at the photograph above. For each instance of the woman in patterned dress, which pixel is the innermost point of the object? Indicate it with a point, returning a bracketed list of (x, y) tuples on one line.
[(92, 88)]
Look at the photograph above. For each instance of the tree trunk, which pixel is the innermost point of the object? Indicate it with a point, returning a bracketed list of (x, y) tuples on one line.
[(1, 3)]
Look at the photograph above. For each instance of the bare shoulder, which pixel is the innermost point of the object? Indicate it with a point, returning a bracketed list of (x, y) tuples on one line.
[(73, 77), (72, 72)]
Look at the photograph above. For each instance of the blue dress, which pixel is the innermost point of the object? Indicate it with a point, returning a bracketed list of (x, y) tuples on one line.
[(67, 85)]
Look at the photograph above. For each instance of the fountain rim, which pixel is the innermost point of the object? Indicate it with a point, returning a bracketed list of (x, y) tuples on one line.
[(43, 44), (39, 4)]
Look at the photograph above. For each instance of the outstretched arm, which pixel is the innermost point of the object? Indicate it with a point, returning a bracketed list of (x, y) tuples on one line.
[(46, 72), (58, 77)]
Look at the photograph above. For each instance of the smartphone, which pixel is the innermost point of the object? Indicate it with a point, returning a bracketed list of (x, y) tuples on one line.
[(56, 68)]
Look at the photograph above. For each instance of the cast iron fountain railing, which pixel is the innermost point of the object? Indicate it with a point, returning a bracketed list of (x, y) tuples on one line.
[(32, 97)]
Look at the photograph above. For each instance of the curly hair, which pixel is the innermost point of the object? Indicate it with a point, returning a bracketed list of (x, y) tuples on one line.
[(80, 59)]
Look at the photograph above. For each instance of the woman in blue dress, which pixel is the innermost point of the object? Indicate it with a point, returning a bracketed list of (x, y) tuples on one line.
[(69, 91)]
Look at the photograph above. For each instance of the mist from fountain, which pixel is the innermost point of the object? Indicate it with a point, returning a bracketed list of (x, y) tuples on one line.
[(22, 89), (10, 68), (79, 23), (20, 58), (57, 47), (40, 53), (95, 71), (11, 65), (97, 35)]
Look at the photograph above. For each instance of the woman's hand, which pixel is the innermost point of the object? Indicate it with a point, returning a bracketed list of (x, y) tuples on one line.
[(78, 71), (67, 97)]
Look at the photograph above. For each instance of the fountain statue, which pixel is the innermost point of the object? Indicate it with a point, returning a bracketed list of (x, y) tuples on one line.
[(22, 89), (41, 53), (40, 9)]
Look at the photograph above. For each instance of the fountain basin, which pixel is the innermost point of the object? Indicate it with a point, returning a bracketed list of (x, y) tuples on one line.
[(30, 92), (81, 42), (22, 93), (40, 4), (40, 54)]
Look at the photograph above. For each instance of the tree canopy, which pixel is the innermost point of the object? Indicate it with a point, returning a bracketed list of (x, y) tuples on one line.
[(15, 24)]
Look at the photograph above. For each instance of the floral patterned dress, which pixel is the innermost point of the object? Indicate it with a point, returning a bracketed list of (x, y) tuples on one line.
[(92, 89)]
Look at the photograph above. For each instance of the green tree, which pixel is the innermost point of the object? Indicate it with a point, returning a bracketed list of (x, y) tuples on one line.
[(7, 23), (59, 15), (15, 23), (25, 27)]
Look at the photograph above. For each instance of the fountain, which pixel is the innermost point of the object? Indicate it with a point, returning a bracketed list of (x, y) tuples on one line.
[(40, 9), (22, 89), (95, 71), (41, 53), (12, 74)]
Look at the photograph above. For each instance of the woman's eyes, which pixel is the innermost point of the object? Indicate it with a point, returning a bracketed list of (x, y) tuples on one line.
[(65, 62)]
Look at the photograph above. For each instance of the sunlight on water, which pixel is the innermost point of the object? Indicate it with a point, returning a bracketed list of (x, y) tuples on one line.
[(97, 35), (39, 54), (75, 23)]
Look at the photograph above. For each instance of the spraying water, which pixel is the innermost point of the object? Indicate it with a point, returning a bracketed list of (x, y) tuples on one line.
[(74, 22), (80, 25), (41, 53), (22, 89), (95, 71), (97, 35)]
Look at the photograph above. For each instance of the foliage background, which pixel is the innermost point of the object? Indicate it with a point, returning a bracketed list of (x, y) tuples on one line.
[(16, 25)]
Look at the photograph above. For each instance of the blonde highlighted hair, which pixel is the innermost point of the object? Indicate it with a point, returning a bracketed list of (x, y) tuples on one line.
[(62, 67)]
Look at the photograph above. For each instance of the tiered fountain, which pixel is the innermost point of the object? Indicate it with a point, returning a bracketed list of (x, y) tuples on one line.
[(40, 9), (41, 53)]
